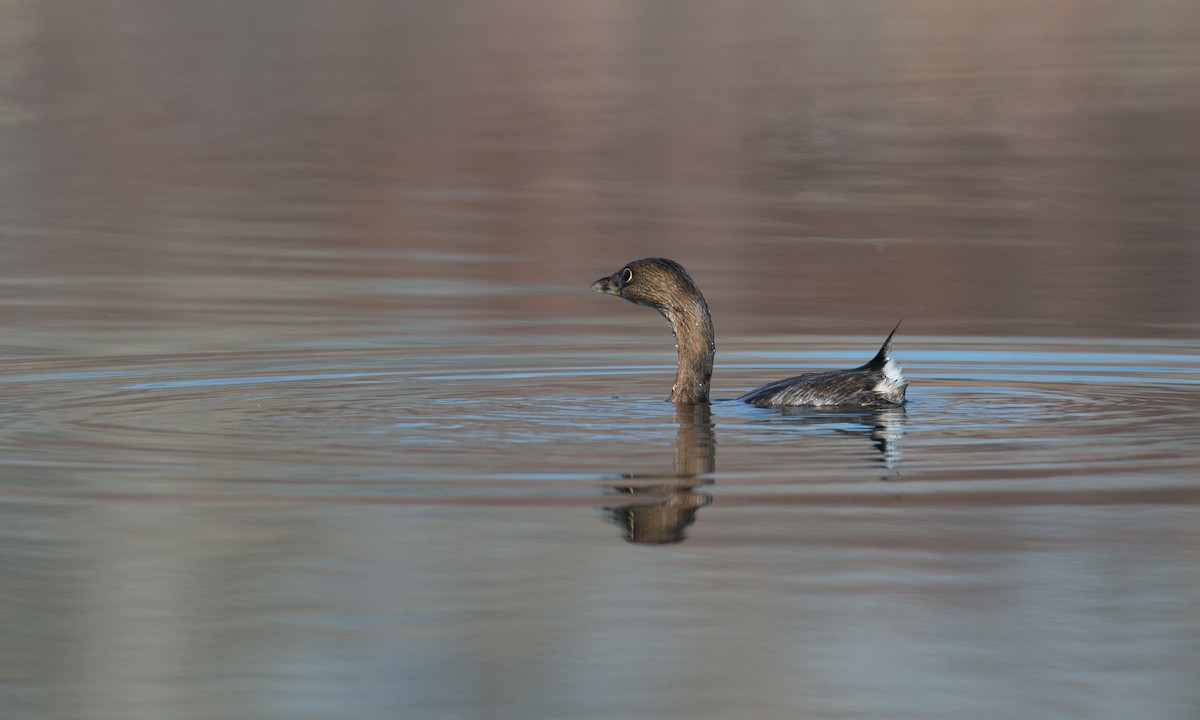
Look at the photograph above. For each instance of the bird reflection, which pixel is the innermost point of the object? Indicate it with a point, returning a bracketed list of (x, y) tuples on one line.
[(666, 521), (884, 427)]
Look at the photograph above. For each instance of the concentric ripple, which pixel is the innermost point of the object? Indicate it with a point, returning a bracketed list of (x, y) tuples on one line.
[(985, 416)]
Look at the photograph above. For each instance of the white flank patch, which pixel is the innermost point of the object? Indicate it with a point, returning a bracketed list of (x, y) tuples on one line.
[(893, 380)]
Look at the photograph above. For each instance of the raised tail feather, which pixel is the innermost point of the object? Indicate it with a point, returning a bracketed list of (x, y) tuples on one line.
[(885, 351), (893, 384)]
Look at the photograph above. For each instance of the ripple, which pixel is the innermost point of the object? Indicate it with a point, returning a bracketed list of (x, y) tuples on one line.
[(994, 416)]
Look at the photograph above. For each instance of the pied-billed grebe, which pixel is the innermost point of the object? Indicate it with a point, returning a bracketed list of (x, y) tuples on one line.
[(665, 286)]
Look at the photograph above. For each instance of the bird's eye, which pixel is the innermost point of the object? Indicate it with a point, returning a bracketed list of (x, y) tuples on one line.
[(626, 276)]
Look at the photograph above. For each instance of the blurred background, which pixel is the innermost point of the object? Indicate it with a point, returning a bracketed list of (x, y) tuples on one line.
[(308, 411), (184, 176)]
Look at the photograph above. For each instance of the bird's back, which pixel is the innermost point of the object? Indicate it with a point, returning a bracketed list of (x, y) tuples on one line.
[(879, 383)]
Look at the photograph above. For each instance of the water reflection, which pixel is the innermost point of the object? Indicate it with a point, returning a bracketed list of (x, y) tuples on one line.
[(883, 426), (666, 520), (300, 389)]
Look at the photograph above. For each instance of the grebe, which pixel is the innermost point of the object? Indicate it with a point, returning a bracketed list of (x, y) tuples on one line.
[(665, 286)]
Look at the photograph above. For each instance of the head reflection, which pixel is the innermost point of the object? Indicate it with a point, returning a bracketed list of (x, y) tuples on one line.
[(666, 521), (668, 502)]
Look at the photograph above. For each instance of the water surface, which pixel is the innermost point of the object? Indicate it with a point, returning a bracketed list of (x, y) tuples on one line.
[(308, 411)]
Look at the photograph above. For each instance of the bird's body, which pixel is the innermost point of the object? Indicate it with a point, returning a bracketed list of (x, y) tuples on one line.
[(664, 285)]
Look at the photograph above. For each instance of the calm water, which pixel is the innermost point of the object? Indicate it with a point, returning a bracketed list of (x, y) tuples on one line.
[(308, 411)]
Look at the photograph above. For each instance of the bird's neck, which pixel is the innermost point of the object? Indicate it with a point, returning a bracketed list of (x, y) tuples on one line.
[(694, 339)]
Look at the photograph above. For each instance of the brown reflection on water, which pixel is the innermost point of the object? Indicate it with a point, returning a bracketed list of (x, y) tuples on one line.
[(199, 192), (676, 502), (1024, 169), (672, 505)]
